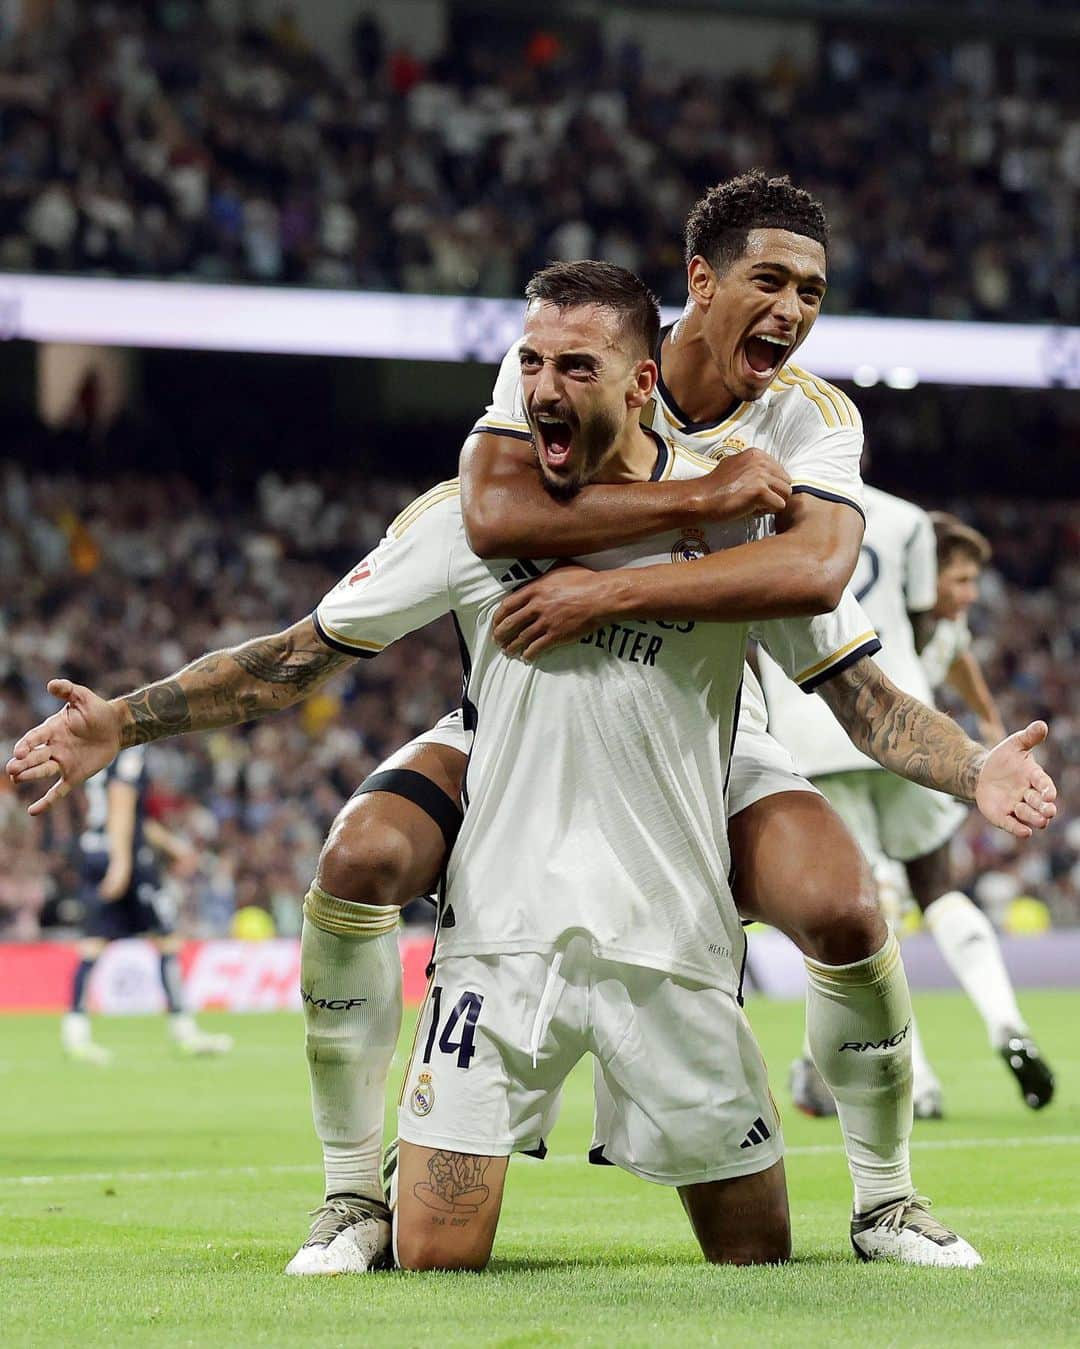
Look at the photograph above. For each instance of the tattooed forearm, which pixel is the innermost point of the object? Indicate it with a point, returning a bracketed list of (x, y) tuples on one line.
[(161, 709), (455, 1183), (225, 688), (283, 660), (902, 734)]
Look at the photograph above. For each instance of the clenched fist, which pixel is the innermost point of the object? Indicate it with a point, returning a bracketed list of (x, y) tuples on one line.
[(750, 482)]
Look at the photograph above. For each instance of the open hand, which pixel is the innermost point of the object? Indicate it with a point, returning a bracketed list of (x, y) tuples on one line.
[(71, 745), (1014, 792)]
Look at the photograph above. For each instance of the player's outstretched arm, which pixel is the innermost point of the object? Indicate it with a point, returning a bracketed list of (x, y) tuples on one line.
[(222, 688), (919, 743), (508, 513)]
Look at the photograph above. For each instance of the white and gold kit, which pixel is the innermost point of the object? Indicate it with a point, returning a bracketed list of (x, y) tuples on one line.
[(896, 576), (594, 837), (810, 427)]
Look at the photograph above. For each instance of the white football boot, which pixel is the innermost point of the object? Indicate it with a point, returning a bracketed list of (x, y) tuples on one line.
[(75, 1038), (928, 1102), (808, 1090), (350, 1235), (903, 1231), (191, 1040)]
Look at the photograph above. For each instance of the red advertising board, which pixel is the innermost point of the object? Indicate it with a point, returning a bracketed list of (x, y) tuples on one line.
[(235, 976)]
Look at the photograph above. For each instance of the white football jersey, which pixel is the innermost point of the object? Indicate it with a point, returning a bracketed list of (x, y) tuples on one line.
[(951, 638), (896, 575), (594, 794), (810, 427)]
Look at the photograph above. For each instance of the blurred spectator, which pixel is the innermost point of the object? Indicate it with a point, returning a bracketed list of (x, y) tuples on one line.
[(144, 139), (126, 580)]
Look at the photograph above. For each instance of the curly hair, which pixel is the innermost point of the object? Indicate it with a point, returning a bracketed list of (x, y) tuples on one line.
[(719, 223)]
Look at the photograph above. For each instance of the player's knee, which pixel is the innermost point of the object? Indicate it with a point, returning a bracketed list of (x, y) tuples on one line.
[(366, 862), (773, 1249), (419, 1252), (842, 922)]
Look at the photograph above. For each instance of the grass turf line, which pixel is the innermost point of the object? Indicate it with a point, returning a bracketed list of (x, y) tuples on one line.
[(584, 1256)]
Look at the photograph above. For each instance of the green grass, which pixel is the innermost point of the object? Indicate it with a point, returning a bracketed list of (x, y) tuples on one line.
[(170, 1193)]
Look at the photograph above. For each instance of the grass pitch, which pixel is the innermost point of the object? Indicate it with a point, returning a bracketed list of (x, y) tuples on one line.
[(155, 1203)]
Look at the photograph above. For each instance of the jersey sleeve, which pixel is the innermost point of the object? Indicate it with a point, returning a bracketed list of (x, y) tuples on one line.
[(823, 440), (505, 415), (812, 650), (401, 585), (920, 566)]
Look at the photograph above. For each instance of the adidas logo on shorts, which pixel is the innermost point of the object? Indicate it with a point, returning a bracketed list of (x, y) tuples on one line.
[(757, 1133)]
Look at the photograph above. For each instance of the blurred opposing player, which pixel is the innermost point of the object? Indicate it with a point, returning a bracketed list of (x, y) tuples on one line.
[(897, 583), (120, 889)]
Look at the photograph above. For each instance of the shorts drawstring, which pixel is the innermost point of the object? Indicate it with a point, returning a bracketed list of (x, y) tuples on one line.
[(545, 1007)]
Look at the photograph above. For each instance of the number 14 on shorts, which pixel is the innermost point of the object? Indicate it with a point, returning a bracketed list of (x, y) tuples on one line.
[(464, 1014)]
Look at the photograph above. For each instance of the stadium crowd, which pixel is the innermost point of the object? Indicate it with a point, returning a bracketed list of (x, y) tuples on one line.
[(122, 580), (144, 139)]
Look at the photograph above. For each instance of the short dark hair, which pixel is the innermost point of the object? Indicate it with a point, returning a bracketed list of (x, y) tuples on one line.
[(719, 223), (954, 537), (568, 284)]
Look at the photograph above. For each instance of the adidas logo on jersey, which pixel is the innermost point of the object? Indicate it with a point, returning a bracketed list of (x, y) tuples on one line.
[(757, 1133), (523, 570)]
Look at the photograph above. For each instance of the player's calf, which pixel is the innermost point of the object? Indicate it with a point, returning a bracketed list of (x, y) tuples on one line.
[(448, 1208), (743, 1221)]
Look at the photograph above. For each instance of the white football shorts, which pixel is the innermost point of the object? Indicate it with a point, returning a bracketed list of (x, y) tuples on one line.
[(682, 1093), (889, 816), (760, 767), (449, 730)]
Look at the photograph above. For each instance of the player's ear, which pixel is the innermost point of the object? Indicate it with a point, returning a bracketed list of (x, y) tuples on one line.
[(700, 281), (643, 382)]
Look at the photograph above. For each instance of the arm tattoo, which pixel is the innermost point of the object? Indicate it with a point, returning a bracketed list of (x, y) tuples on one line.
[(455, 1183), (902, 734), (162, 709), (273, 661), (225, 688)]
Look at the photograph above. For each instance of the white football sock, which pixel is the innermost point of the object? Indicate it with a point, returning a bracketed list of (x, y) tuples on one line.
[(971, 949), (858, 1020), (75, 1030), (350, 980)]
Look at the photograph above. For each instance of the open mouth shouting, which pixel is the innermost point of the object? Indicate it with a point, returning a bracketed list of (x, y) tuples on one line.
[(765, 353), (554, 440)]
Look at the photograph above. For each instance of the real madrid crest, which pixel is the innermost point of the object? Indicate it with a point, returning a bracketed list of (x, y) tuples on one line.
[(422, 1100), (689, 546)]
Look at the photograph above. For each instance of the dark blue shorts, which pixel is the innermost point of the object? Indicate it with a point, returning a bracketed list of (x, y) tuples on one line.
[(134, 914)]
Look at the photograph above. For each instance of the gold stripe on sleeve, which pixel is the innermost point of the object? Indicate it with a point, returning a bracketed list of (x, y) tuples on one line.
[(442, 491), (868, 636), (373, 647)]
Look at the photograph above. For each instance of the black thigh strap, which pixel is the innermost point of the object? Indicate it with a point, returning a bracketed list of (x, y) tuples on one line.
[(422, 792)]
